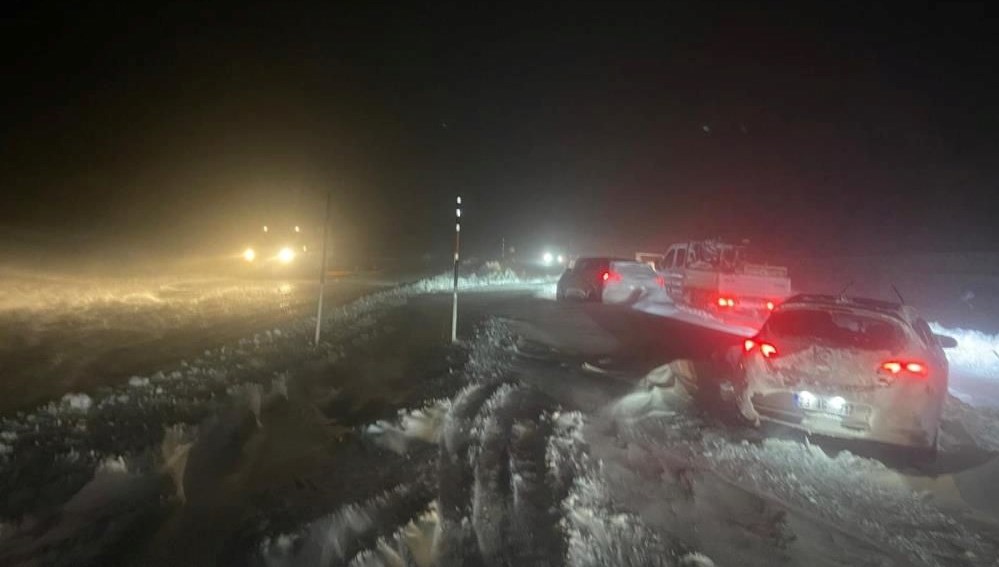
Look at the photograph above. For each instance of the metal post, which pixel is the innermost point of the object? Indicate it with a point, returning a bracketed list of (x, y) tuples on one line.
[(457, 249), (322, 269), (502, 248)]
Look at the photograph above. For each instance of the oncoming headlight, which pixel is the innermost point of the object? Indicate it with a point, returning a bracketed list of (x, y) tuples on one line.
[(286, 255), (249, 255)]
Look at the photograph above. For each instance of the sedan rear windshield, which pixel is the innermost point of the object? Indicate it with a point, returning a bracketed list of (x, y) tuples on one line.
[(838, 328)]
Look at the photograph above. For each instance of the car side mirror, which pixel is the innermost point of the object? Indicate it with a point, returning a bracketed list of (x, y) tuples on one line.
[(946, 342)]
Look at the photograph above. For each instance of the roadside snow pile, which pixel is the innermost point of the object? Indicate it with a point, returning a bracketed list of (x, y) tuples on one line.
[(356, 534), (976, 353), (974, 365), (597, 532), (851, 491), (445, 282), (980, 424)]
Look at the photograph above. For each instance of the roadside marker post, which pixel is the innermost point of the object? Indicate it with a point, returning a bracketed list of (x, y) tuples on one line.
[(322, 270), (457, 249)]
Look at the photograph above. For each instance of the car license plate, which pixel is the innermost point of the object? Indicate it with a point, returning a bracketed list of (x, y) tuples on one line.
[(833, 405)]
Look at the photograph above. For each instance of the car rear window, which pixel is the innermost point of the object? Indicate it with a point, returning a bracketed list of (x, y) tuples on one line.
[(634, 269), (838, 328)]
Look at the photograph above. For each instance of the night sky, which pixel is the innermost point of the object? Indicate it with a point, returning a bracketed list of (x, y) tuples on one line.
[(596, 127)]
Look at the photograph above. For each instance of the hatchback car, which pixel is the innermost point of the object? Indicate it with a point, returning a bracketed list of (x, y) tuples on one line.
[(608, 280), (847, 367)]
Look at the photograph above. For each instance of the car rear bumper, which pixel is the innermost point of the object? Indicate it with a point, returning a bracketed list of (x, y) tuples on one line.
[(875, 416)]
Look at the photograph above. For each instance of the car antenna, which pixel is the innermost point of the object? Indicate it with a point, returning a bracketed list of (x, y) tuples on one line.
[(842, 292), (897, 294)]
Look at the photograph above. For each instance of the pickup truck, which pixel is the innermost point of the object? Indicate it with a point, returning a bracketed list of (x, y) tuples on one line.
[(716, 275)]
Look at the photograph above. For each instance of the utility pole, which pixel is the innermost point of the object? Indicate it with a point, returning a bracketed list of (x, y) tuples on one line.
[(457, 249), (502, 248), (322, 269)]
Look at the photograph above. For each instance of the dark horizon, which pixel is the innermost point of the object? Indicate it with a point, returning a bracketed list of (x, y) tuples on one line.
[(827, 130)]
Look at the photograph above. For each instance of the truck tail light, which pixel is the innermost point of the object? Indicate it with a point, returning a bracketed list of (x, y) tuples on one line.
[(610, 276), (726, 302)]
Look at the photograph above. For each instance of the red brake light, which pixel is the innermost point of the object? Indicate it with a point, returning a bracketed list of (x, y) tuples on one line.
[(896, 367), (610, 276), (661, 281), (726, 302), (892, 367), (766, 349), (770, 306)]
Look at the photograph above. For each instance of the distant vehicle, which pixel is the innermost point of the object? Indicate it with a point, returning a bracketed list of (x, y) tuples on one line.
[(277, 249), (847, 367), (718, 276), (609, 280)]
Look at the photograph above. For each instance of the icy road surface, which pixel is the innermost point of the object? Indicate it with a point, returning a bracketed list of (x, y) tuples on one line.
[(556, 434)]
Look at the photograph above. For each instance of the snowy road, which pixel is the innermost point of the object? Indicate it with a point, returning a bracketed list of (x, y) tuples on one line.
[(552, 436)]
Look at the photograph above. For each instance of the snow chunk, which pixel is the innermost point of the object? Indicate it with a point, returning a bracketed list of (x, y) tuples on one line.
[(422, 424), (138, 381), (77, 402)]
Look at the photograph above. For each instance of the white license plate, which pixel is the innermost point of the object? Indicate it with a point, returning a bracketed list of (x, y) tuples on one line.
[(833, 405)]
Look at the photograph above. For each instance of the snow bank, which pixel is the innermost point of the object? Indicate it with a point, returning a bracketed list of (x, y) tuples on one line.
[(597, 532), (339, 538), (508, 279), (974, 365)]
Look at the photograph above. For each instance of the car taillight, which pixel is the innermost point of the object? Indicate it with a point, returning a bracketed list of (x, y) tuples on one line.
[(896, 367), (661, 281), (611, 276), (766, 349), (770, 306), (726, 302)]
